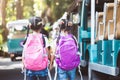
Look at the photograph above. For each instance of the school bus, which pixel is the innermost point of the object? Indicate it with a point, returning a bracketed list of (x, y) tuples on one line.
[(99, 37), (100, 42)]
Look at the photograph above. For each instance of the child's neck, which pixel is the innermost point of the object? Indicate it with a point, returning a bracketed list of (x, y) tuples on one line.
[(36, 32), (64, 33)]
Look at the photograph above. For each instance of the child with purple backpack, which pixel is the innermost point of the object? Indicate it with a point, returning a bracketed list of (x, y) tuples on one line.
[(66, 56)]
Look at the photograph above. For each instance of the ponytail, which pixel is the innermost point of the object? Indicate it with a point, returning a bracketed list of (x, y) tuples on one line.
[(68, 27)]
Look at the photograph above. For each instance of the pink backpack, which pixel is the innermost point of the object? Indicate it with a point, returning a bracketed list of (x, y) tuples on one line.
[(35, 57)]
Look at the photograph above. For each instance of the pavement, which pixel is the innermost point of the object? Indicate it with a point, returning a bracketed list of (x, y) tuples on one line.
[(12, 70)]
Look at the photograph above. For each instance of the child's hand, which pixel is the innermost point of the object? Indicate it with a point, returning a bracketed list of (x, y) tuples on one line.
[(50, 67), (22, 68)]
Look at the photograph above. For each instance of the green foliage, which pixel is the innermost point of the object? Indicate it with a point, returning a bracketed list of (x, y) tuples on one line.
[(48, 2), (1, 39), (39, 7), (11, 9), (36, 7), (0, 21), (27, 12), (58, 7), (28, 8)]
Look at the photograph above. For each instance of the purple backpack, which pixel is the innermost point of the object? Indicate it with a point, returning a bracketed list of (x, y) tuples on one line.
[(66, 53)]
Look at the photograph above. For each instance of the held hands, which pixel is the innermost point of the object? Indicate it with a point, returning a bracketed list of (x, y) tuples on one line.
[(50, 57), (51, 61)]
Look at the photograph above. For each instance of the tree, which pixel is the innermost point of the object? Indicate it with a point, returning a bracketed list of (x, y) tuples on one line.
[(28, 9), (3, 13), (58, 7), (19, 9)]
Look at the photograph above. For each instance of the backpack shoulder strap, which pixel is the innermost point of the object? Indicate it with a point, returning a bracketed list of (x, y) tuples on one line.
[(43, 38), (58, 38), (74, 39), (76, 42), (26, 35)]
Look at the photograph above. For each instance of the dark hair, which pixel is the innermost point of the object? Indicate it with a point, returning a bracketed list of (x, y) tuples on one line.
[(36, 23), (65, 25)]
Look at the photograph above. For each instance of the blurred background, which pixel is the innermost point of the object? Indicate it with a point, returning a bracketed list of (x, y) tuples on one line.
[(12, 10), (14, 15)]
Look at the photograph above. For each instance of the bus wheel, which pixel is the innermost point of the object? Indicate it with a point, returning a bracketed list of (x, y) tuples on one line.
[(98, 76), (12, 57), (118, 60), (118, 65)]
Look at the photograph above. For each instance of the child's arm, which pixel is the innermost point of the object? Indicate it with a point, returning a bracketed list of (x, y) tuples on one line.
[(51, 57), (50, 53)]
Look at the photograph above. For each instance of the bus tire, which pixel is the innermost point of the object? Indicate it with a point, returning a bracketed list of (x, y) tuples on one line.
[(98, 76), (118, 60), (13, 59)]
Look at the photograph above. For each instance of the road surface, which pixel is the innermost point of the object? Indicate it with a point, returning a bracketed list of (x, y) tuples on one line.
[(12, 70)]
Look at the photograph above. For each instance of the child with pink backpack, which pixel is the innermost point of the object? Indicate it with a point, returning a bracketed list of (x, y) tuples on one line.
[(35, 59)]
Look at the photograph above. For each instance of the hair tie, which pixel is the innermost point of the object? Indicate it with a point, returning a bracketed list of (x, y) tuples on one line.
[(62, 22), (39, 23)]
